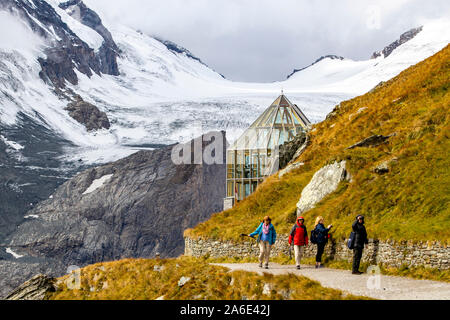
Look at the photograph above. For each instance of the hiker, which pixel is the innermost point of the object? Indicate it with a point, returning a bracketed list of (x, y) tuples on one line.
[(266, 238), (299, 238), (321, 239), (360, 240)]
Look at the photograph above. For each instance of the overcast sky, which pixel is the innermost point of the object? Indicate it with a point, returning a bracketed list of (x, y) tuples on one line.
[(264, 40)]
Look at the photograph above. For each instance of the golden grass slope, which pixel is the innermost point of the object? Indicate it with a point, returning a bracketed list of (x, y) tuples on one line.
[(410, 202), (149, 279)]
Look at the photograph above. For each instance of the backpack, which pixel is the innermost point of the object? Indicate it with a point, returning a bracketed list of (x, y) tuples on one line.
[(351, 241), (313, 238)]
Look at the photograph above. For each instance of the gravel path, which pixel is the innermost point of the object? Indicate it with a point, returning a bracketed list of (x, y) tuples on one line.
[(390, 288)]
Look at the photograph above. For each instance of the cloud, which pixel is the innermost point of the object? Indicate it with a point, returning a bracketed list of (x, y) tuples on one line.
[(17, 35), (263, 40)]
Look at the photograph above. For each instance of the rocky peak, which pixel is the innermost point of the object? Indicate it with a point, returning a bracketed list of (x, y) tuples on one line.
[(329, 56), (405, 37), (66, 52), (177, 49), (109, 49)]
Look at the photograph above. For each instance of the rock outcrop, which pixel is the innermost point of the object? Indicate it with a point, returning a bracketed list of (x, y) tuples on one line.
[(37, 288), (289, 149), (289, 168), (405, 37), (371, 141), (384, 166), (324, 182), (88, 115)]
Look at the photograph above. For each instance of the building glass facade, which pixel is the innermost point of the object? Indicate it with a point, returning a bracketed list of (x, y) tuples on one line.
[(252, 156)]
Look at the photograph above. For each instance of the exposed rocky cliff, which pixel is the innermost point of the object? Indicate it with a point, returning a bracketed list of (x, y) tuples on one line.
[(109, 51), (405, 37), (135, 207), (30, 169)]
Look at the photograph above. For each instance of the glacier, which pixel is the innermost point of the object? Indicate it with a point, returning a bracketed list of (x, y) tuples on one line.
[(163, 97)]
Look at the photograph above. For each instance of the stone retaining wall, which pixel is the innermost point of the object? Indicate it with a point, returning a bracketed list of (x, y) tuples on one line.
[(388, 253)]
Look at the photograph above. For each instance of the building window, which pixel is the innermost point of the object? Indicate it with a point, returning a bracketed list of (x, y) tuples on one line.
[(247, 188), (255, 165), (239, 165), (247, 165), (230, 188), (230, 164)]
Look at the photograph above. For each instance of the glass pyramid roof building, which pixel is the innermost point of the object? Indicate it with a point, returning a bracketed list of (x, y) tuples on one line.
[(254, 155), (279, 123)]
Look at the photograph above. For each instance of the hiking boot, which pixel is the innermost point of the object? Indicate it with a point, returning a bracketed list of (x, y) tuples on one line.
[(267, 266), (357, 272), (260, 265), (317, 266), (298, 267)]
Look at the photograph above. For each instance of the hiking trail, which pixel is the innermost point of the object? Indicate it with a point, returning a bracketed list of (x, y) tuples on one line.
[(391, 287)]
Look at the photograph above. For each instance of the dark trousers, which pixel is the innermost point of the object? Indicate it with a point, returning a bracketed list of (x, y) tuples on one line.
[(357, 254), (320, 249)]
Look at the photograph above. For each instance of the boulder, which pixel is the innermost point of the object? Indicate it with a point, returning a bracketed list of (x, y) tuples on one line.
[(324, 182), (383, 167), (289, 168), (183, 281)]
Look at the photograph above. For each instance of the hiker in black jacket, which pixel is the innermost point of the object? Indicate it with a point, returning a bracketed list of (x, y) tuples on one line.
[(360, 240)]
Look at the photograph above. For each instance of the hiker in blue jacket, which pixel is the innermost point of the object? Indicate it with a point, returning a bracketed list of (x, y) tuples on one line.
[(266, 238), (321, 239)]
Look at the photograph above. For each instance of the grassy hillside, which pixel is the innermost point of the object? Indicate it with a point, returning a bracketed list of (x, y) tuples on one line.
[(139, 279), (410, 202)]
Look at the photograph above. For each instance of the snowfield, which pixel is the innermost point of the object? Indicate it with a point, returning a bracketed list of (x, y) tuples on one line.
[(97, 183), (15, 255), (164, 97)]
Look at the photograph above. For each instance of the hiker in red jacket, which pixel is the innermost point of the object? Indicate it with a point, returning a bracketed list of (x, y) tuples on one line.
[(299, 237)]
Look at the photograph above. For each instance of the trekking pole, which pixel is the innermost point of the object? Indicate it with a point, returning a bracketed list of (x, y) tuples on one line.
[(246, 235)]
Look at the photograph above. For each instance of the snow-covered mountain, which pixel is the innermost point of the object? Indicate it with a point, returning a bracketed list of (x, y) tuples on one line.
[(153, 91)]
